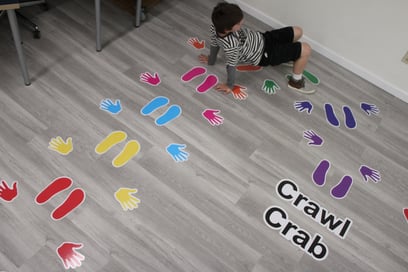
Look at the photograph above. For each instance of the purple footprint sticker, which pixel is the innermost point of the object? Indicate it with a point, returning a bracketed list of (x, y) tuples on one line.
[(319, 174), (330, 115), (349, 118), (342, 188)]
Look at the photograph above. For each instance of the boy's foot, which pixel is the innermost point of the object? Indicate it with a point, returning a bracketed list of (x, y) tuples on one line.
[(299, 85)]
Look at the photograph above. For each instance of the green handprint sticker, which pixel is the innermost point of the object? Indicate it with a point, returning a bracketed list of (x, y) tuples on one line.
[(270, 86)]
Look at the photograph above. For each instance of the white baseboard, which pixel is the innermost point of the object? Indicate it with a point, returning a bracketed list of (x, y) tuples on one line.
[(330, 54)]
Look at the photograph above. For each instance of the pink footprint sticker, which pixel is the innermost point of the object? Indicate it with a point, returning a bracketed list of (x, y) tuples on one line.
[(209, 82), (406, 213), (193, 73)]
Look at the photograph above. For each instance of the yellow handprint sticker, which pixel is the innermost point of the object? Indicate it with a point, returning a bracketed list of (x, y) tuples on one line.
[(126, 200), (59, 145)]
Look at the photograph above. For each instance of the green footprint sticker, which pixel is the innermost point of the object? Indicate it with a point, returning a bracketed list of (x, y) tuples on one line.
[(311, 77)]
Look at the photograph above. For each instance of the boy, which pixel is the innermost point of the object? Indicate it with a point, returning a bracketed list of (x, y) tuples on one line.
[(243, 45)]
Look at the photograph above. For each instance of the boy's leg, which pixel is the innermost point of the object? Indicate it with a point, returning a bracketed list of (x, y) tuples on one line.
[(297, 33)]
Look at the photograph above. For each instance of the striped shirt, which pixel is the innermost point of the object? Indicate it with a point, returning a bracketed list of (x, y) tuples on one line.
[(242, 46)]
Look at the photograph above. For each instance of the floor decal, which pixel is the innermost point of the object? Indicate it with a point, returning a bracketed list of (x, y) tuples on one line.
[(212, 117), (248, 68), (173, 112), (59, 145), (350, 121), (196, 43), (303, 106), (405, 211), (341, 189), (7, 193), (75, 198), (150, 79), (311, 77), (108, 106), (270, 86), (369, 173), (176, 152), (125, 198), (369, 108), (109, 141), (68, 255), (278, 219), (330, 115), (194, 72), (238, 92), (313, 138), (130, 150), (208, 83)]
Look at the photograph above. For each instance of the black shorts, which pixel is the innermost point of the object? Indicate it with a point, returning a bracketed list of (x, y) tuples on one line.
[(279, 47)]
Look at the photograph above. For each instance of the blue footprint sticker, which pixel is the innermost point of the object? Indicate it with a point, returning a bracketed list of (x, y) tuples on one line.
[(349, 118), (330, 115), (172, 113), (154, 104)]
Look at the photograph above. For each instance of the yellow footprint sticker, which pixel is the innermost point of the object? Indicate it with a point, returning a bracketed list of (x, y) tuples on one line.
[(112, 139), (129, 151)]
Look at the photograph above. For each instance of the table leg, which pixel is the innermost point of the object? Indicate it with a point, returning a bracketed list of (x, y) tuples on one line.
[(138, 12), (17, 41), (98, 25)]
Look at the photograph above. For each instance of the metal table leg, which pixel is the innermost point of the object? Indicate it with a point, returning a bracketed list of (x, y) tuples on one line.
[(11, 13), (98, 25), (138, 12)]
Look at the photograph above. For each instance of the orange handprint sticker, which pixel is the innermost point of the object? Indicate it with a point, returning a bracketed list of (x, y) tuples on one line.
[(196, 43)]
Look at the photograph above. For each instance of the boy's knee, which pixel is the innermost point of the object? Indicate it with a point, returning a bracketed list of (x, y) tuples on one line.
[(306, 49), (297, 32)]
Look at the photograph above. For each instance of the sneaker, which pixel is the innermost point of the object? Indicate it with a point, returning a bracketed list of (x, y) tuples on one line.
[(299, 85)]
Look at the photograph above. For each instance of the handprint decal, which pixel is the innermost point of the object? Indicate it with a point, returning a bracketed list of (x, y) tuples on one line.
[(6, 193), (212, 117), (303, 105), (59, 145), (270, 87), (196, 43), (176, 152), (313, 138), (109, 106), (125, 198), (68, 255), (369, 108), (150, 79), (239, 92), (369, 173)]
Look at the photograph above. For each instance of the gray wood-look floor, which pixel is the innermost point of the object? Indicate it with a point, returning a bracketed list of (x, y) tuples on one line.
[(204, 214)]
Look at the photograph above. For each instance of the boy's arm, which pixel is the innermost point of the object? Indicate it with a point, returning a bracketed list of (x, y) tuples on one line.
[(230, 76), (213, 54)]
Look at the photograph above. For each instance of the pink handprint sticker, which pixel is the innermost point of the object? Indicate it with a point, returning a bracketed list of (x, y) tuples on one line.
[(212, 117), (150, 79), (8, 193), (69, 257)]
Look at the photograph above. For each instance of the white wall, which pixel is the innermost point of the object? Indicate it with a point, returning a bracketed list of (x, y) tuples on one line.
[(368, 37)]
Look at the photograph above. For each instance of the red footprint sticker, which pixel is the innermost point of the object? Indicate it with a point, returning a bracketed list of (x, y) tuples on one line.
[(57, 185), (406, 213), (74, 199)]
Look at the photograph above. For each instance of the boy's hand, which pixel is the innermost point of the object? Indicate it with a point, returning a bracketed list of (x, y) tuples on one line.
[(203, 58), (223, 88)]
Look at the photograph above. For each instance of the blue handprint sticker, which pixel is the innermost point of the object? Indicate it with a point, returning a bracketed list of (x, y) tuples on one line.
[(369, 108), (303, 105), (109, 106), (176, 152)]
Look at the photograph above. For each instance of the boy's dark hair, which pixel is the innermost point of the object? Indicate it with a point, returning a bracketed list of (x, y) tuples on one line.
[(225, 16)]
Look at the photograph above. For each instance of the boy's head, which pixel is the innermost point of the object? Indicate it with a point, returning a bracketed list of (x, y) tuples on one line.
[(225, 16)]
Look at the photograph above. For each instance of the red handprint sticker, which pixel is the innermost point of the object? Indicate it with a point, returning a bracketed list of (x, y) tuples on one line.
[(196, 43), (69, 257), (6, 193)]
